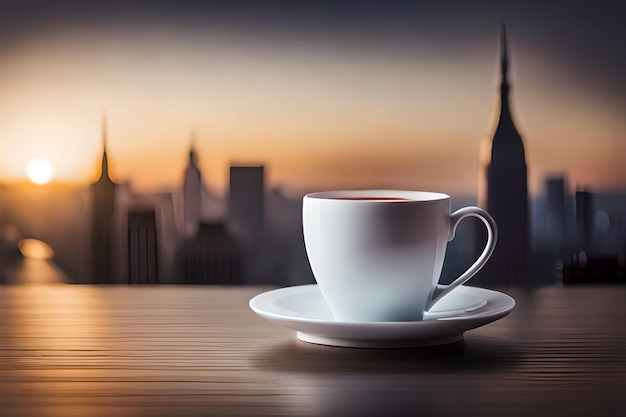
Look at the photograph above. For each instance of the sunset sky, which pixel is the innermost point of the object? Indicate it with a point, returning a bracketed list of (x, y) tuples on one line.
[(328, 94)]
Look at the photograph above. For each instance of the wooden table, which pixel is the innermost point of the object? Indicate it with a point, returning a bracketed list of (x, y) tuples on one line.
[(174, 351)]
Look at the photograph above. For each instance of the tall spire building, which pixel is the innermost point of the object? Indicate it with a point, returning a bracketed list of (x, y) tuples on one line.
[(192, 189), (503, 191), (103, 216)]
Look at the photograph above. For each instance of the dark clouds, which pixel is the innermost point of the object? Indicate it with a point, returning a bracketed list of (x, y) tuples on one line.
[(585, 39)]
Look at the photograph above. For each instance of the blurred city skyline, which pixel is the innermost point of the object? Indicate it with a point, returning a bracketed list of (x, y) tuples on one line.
[(326, 95)]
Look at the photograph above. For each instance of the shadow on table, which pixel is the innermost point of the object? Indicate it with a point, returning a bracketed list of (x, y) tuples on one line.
[(478, 354)]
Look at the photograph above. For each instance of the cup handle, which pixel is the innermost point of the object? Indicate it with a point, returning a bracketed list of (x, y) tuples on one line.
[(492, 236)]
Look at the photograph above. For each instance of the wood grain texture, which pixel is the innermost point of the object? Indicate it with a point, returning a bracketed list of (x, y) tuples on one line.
[(168, 351)]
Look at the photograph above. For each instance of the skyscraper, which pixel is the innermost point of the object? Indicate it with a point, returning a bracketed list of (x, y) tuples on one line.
[(584, 219), (192, 187), (211, 256), (246, 221), (504, 192), (246, 202), (143, 249), (102, 226), (555, 214)]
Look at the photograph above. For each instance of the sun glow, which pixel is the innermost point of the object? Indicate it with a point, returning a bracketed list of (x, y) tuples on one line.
[(39, 171)]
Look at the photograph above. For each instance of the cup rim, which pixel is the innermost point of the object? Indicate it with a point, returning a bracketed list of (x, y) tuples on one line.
[(355, 196)]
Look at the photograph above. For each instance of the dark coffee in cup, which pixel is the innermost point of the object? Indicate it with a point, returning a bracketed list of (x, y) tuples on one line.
[(372, 198)]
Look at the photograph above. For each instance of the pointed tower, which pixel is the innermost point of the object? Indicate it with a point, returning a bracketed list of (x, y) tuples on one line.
[(103, 216), (192, 188), (503, 191)]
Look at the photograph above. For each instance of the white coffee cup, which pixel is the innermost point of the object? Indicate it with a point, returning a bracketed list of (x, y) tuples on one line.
[(377, 255)]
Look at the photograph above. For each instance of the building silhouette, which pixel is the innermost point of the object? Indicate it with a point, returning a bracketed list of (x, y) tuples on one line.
[(143, 248), (211, 256), (584, 219), (246, 221), (207, 252), (600, 240), (504, 192), (556, 214), (103, 221), (246, 202), (192, 188)]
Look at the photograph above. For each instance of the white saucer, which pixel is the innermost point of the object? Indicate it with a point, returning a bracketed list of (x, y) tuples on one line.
[(303, 309)]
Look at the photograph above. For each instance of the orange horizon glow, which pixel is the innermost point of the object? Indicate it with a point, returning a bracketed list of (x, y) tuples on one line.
[(445, 169)]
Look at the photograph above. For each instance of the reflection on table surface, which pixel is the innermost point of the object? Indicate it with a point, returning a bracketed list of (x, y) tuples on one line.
[(129, 351)]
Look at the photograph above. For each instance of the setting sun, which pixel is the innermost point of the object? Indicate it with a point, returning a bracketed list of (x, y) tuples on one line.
[(39, 171)]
